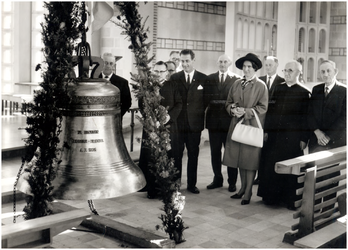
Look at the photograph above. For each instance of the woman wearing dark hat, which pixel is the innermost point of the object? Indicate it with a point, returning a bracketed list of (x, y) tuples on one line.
[(245, 94)]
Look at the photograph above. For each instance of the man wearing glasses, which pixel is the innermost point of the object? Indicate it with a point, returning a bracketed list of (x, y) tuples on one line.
[(286, 132), (171, 67), (121, 83), (173, 103)]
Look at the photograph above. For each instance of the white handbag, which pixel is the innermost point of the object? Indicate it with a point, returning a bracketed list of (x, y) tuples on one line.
[(248, 134)]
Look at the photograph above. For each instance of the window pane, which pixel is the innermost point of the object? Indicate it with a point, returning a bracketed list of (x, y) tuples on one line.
[(38, 6), (7, 39), (38, 41), (7, 22), (7, 6), (6, 73), (38, 21), (6, 56)]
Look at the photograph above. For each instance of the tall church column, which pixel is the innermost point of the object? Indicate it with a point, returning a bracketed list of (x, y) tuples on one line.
[(231, 33), (286, 42)]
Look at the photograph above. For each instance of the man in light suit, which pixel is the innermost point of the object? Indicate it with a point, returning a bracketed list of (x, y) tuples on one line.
[(327, 116), (272, 79), (191, 84), (218, 120), (119, 82)]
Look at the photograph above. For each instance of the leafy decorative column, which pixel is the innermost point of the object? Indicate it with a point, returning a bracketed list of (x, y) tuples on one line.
[(59, 32), (146, 88)]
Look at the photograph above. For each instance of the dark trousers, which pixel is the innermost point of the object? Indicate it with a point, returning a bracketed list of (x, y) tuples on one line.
[(217, 139), (191, 140)]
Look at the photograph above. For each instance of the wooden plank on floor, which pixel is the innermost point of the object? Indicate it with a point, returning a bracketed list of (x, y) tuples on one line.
[(323, 236)]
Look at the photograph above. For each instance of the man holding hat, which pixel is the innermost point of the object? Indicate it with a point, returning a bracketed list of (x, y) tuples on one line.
[(119, 82)]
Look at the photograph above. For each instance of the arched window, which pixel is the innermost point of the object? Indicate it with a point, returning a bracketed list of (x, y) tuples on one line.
[(301, 40), (302, 15), (310, 70), (252, 36), (239, 31), (311, 41), (313, 12), (318, 74), (274, 38), (245, 34), (267, 37), (259, 36), (322, 41), (323, 11)]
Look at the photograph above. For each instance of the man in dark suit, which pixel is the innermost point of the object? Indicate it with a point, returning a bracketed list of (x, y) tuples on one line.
[(119, 82), (191, 84), (173, 103), (327, 111), (327, 117), (218, 120), (272, 79)]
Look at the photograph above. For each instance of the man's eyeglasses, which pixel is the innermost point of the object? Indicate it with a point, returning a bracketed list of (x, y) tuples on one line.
[(159, 72), (290, 71)]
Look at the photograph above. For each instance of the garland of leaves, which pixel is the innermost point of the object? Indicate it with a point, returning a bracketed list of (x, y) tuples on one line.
[(146, 89), (61, 28)]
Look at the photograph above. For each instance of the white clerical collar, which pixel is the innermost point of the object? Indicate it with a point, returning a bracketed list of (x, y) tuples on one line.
[(105, 76)]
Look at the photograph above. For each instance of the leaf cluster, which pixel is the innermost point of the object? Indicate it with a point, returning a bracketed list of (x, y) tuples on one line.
[(60, 29), (153, 119)]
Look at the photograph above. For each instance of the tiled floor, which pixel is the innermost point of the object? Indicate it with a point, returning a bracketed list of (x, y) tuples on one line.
[(214, 220)]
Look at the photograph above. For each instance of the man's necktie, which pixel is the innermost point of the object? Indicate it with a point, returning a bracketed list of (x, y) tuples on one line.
[(188, 80), (269, 82), (222, 78), (326, 91)]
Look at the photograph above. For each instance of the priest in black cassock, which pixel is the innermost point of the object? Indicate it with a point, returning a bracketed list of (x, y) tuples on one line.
[(287, 135)]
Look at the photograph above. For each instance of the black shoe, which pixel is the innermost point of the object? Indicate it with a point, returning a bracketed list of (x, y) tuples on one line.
[(245, 202), (193, 190), (237, 196), (256, 182), (214, 185), (232, 188)]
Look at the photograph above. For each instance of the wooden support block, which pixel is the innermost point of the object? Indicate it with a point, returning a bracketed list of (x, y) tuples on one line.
[(322, 237)]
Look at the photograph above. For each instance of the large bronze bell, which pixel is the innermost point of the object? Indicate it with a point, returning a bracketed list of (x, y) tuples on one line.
[(97, 164)]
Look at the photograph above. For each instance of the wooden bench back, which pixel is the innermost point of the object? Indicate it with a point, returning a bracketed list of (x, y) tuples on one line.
[(310, 170)]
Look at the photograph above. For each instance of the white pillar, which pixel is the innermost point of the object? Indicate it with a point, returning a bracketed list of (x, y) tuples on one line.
[(287, 32), (231, 33)]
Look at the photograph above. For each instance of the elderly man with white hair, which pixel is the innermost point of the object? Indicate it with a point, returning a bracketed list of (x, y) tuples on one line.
[(119, 82), (218, 120), (287, 136)]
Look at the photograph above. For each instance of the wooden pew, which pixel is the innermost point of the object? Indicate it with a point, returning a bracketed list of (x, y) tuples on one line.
[(318, 227)]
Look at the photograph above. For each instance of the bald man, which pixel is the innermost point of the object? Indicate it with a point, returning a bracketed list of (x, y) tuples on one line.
[(218, 120), (119, 82)]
